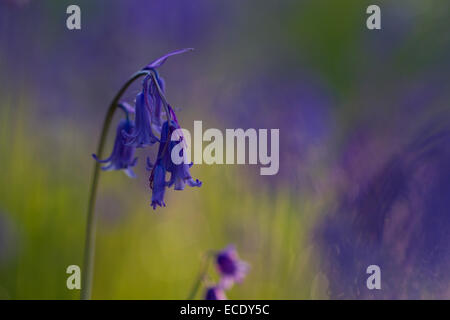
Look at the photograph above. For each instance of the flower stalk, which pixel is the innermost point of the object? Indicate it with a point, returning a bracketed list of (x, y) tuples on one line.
[(89, 249), (202, 275)]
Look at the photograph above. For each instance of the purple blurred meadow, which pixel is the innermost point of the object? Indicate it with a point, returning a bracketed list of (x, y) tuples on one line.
[(364, 121)]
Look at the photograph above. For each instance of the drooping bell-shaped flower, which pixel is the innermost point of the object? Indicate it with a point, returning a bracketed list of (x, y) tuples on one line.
[(231, 268), (180, 175), (142, 134), (215, 293), (157, 178), (155, 100), (158, 185), (179, 172), (150, 108), (122, 155)]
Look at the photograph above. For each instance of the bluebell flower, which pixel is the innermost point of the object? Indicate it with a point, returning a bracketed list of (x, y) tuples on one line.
[(122, 155), (152, 95), (215, 293), (230, 267), (179, 173), (142, 134), (151, 89), (157, 178), (158, 185), (148, 118), (155, 100), (180, 176)]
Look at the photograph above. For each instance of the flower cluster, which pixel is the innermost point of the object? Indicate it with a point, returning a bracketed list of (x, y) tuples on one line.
[(151, 126), (231, 269)]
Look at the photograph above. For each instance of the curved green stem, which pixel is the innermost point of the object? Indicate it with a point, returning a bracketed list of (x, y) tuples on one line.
[(89, 249), (203, 270)]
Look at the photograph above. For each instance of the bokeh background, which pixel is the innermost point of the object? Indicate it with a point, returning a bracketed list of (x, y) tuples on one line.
[(364, 147)]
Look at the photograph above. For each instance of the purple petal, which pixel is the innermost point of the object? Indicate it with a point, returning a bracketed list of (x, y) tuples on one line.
[(149, 166), (159, 62), (130, 173), (127, 107), (101, 161)]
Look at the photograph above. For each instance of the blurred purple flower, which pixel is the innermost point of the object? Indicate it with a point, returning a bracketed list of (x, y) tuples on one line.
[(301, 99), (215, 293), (230, 267), (122, 155), (399, 221)]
